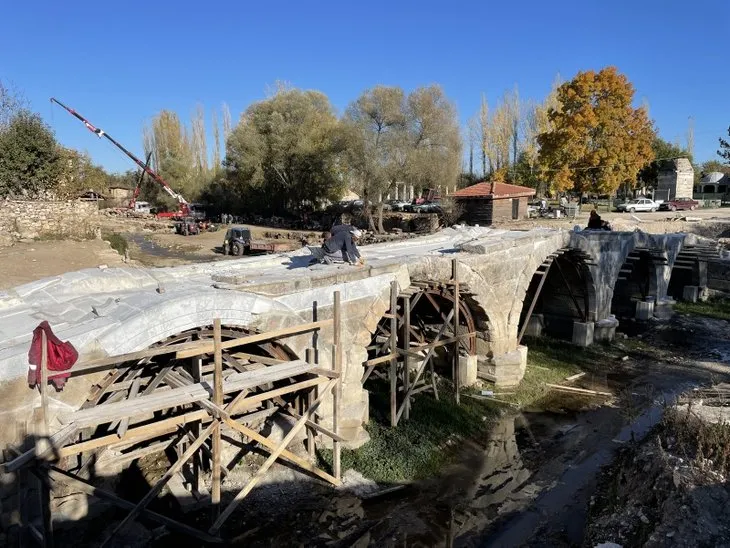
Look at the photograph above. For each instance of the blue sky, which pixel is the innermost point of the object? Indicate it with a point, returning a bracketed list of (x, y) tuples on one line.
[(120, 63)]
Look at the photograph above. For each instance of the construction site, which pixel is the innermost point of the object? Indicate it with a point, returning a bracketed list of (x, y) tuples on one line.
[(236, 401)]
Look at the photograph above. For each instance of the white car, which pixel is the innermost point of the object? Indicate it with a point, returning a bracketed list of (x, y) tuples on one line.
[(639, 204)]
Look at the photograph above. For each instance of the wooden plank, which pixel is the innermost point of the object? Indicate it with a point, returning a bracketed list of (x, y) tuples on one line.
[(204, 347), (379, 360), (256, 358), (577, 390), (256, 399), (142, 504), (286, 454), (266, 375), (44, 381), (406, 405), (57, 440), (272, 458), (133, 391), (311, 442), (530, 310), (62, 476), (218, 401)]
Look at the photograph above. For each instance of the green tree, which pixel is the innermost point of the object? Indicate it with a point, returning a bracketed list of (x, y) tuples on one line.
[(598, 140), (29, 157), (78, 174), (663, 150), (11, 103), (714, 165), (286, 152), (724, 151), (397, 138)]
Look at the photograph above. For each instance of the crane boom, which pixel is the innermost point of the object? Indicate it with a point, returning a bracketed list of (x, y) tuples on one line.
[(145, 167)]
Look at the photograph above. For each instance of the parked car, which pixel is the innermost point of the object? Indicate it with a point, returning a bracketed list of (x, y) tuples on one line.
[(428, 207), (639, 204), (398, 205), (679, 204)]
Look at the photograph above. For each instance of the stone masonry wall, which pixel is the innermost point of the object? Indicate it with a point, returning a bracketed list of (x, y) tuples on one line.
[(35, 219)]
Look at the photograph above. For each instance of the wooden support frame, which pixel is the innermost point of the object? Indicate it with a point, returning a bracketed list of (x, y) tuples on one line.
[(535, 298), (190, 430)]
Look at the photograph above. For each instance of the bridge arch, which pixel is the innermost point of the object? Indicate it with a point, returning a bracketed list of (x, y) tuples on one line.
[(561, 291), (639, 279)]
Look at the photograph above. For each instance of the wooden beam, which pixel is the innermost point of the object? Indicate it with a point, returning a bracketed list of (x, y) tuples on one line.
[(406, 405), (124, 423), (393, 355), (204, 347), (533, 304), (272, 458), (337, 393), (218, 401), (256, 358), (455, 357), (142, 504)]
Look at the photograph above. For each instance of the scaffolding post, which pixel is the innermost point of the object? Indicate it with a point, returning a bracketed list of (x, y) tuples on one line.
[(393, 352), (218, 401), (457, 341), (406, 356), (337, 393)]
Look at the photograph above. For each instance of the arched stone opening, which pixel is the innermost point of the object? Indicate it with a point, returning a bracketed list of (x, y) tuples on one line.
[(561, 292), (163, 372), (637, 281), (685, 272)]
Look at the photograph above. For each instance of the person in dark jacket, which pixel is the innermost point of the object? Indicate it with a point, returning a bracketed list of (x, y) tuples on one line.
[(596, 223), (341, 246)]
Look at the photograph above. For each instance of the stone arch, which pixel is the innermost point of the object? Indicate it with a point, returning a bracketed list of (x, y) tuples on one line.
[(568, 294), (639, 280)]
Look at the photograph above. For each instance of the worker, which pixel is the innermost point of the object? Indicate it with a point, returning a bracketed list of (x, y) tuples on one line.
[(596, 223), (342, 246)]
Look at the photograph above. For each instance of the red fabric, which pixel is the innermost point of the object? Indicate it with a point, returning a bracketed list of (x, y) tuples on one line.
[(60, 356)]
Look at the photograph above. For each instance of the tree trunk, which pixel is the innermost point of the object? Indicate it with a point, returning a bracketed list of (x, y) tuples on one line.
[(366, 211), (381, 230)]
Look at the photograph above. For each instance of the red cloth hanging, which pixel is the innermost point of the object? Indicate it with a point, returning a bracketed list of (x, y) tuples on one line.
[(60, 356)]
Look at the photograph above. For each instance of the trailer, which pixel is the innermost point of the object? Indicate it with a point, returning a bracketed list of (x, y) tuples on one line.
[(238, 242)]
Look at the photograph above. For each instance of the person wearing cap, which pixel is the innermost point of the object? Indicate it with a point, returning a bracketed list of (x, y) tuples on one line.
[(341, 245)]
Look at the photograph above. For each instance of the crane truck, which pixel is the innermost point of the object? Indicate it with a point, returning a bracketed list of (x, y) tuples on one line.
[(187, 215)]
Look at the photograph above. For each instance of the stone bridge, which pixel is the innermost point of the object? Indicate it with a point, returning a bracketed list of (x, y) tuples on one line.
[(585, 282)]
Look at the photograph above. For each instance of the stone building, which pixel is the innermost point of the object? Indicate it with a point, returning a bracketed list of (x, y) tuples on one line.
[(485, 203), (675, 180), (714, 182)]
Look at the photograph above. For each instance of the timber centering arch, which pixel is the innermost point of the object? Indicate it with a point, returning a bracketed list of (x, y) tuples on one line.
[(577, 285)]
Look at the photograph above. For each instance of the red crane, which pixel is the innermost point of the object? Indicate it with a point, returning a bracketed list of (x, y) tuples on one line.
[(182, 202)]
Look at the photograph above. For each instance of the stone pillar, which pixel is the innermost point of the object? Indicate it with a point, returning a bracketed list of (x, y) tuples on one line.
[(604, 330), (467, 370), (509, 368), (535, 326), (644, 310), (396, 191), (410, 193), (702, 271), (583, 333), (691, 293)]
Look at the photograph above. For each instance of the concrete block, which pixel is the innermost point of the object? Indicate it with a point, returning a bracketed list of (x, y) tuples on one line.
[(583, 333), (509, 368), (664, 308), (467, 370), (605, 330), (704, 294), (644, 310), (691, 293), (535, 326)]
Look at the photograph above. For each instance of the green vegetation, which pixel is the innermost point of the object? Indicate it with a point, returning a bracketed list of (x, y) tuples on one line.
[(117, 241), (418, 447), (714, 308)]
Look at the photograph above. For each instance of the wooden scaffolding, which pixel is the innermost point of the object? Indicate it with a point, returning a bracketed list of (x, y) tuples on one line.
[(408, 353), (179, 397)]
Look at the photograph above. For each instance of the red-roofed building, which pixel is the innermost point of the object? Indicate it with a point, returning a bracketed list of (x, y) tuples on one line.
[(484, 203)]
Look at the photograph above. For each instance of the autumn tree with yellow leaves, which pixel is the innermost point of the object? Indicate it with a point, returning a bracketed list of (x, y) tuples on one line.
[(597, 139)]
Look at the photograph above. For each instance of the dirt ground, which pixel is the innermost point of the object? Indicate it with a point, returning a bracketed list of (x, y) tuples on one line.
[(28, 261)]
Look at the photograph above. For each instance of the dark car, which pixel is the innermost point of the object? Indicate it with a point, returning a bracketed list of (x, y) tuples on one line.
[(237, 241), (679, 204)]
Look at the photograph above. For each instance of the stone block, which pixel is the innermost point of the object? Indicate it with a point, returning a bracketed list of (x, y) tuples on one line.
[(509, 368), (467, 370), (664, 308), (691, 293), (535, 326), (605, 330), (583, 333), (644, 310)]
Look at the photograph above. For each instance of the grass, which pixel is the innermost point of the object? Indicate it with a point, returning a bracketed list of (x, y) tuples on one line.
[(713, 308), (419, 447), (117, 242)]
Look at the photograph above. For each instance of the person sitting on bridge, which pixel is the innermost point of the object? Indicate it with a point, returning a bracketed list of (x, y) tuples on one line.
[(341, 246), (596, 223)]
